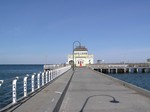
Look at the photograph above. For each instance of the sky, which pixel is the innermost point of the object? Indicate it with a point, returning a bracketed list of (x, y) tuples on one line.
[(43, 31)]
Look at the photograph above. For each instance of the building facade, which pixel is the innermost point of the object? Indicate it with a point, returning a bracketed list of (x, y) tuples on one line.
[(81, 57)]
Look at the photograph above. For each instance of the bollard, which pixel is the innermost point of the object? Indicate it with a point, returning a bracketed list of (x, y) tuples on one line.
[(38, 80), (25, 85), (14, 87), (32, 82)]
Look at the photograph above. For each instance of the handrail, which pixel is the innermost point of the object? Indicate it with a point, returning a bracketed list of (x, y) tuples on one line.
[(23, 86)]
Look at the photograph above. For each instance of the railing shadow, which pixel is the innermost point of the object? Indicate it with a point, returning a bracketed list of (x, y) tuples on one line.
[(111, 101)]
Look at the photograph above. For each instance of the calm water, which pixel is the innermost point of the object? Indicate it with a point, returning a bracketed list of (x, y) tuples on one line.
[(139, 79), (11, 71)]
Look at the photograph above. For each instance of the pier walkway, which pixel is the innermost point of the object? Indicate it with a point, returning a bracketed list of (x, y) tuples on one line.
[(91, 92), (86, 91)]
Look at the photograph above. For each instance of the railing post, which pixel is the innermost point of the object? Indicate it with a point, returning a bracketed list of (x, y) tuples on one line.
[(43, 79), (55, 73), (137, 70), (116, 70), (25, 85), (46, 77), (14, 92), (49, 75), (1, 82), (38, 80), (52, 74), (129, 70), (32, 82), (61, 70)]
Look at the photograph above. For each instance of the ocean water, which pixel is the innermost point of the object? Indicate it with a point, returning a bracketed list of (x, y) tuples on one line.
[(139, 79), (8, 73), (11, 71)]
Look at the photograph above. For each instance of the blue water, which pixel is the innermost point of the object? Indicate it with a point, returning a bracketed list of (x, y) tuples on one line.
[(139, 79), (11, 71)]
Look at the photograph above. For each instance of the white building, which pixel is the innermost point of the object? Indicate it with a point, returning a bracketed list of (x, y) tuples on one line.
[(81, 57)]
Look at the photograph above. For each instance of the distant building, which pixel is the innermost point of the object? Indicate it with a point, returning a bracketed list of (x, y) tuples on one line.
[(81, 57)]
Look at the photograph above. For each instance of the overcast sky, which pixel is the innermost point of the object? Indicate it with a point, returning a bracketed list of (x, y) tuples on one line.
[(42, 31)]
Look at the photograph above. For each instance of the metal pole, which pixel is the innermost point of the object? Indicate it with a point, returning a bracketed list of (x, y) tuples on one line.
[(73, 51), (32, 82), (46, 74), (38, 80), (25, 85), (14, 90), (43, 79)]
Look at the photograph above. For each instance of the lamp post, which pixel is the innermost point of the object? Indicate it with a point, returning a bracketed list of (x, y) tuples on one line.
[(73, 51)]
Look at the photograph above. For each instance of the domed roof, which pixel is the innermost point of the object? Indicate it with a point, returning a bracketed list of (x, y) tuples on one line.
[(80, 48)]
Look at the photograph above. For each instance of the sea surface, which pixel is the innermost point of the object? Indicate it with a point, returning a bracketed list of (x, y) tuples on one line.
[(139, 79), (11, 71)]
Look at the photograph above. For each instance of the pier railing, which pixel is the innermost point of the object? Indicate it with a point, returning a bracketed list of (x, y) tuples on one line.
[(16, 89)]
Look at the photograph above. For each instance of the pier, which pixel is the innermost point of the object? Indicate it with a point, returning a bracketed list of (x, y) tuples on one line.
[(121, 68), (85, 90)]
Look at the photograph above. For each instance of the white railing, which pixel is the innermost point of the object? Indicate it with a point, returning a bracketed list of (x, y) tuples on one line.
[(16, 89)]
